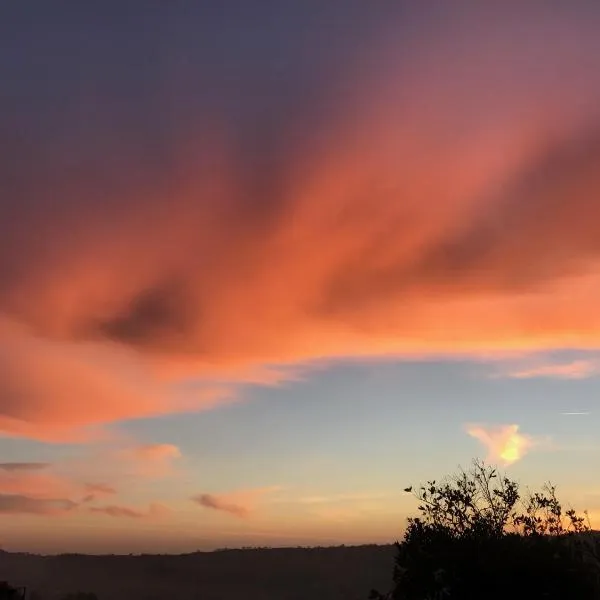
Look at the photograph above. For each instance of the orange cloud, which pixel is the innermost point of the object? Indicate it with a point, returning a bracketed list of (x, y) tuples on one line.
[(113, 384), (444, 202), (504, 443)]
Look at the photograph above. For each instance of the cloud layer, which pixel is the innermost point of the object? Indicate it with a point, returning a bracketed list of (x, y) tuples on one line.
[(433, 192)]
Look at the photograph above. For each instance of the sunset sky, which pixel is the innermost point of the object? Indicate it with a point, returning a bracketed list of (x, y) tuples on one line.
[(263, 264)]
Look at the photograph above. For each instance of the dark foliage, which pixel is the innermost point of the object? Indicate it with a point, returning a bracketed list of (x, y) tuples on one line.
[(478, 538)]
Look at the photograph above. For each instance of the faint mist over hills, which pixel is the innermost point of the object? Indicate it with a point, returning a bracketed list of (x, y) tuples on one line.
[(342, 572)]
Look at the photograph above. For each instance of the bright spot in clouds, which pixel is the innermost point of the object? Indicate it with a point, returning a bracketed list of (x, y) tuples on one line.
[(504, 443)]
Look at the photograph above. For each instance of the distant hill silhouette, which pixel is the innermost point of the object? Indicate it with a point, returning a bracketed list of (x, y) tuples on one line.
[(342, 572)]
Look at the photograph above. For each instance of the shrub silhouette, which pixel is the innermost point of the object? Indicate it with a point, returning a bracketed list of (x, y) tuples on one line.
[(478, 538)]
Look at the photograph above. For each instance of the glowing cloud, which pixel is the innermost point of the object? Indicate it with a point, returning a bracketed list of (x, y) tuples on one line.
[(430, 197), (113, 383), (504, 443)]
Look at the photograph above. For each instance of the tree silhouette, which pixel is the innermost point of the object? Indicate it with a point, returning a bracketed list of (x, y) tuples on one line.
[(478, 537)]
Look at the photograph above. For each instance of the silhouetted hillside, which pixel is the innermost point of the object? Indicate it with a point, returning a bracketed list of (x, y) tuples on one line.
[(345, 572)]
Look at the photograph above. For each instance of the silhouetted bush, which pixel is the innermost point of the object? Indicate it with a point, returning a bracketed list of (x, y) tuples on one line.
[(478, 538)]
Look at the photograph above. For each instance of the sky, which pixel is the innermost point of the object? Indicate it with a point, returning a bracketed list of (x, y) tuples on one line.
[(265, 264)]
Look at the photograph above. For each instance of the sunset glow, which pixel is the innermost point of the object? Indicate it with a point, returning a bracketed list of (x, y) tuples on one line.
[(285, 253)]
